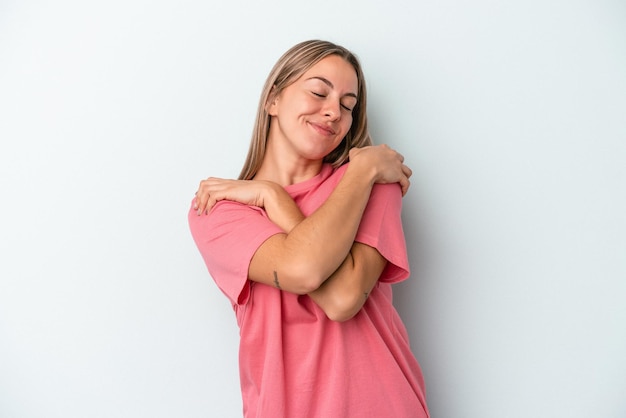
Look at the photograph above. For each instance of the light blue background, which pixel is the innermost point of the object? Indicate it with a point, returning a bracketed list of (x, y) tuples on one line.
[(511, 114)]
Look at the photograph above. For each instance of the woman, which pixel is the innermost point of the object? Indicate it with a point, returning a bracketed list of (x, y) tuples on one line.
[(306, 245)]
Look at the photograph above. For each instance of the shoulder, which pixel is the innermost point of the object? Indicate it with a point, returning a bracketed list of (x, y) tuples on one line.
[(223, 208), (387, 196), (383, 191), (389, 190), (224, 214)]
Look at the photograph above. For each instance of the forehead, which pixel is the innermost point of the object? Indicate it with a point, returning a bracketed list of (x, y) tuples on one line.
[(337, 70)]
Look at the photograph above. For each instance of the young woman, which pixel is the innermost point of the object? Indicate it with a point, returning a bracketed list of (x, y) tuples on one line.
[(306, 245)]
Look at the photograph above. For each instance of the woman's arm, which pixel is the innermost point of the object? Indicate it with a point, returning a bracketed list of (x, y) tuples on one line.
[(343, 294), (321, 246)]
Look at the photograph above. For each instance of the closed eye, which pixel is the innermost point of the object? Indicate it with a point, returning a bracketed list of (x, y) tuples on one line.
[(321, 96)]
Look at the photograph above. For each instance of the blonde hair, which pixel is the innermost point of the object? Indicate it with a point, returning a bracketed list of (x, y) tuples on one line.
[(295, 62)]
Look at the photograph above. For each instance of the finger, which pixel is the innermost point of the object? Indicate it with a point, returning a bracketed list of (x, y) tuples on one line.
[(407, 171), (203, 194), (201, 200), (198, 196), (405, 184), (200, 208), (212, 201)]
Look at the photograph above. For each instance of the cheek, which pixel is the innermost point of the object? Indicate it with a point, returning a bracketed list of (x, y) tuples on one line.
[(346, 124)]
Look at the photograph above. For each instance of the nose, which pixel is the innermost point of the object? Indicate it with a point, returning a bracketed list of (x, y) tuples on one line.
[(332, 109)]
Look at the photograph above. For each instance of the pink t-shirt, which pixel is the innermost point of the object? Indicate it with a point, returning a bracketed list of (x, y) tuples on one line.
[(295, 362)]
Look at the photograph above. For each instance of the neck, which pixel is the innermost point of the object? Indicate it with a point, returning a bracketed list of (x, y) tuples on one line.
[(285, 169)]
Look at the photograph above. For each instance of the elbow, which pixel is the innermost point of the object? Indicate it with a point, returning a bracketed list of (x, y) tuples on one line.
[(299, 284), (305, 285), (343, 308), (340, 316), (304, 277)]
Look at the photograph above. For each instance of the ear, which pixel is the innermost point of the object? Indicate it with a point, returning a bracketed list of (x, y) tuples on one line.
[(272, 102)]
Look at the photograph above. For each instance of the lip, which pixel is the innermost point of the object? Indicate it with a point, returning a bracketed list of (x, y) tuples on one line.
[(323, 129)]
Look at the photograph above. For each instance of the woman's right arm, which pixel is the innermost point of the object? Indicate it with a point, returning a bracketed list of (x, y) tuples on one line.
[(313, 248)]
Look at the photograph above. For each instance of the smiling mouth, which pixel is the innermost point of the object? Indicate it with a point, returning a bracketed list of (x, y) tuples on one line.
[(323, 129)]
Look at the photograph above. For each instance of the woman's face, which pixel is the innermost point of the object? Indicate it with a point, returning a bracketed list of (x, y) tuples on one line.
[(311, 116)]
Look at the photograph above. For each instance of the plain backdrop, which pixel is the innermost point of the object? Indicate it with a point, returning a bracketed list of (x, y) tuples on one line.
[(512, 115)]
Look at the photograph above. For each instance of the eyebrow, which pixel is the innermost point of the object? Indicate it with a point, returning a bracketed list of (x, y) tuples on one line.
[(329, 84)]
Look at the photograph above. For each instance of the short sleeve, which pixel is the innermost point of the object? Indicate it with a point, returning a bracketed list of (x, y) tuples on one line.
[(381, 228), (227, 239)]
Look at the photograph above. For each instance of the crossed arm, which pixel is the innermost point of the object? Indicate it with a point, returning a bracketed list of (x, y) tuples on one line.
[(317, 255)]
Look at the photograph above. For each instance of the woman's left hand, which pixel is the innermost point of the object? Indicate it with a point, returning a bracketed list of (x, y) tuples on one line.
[(212, 190)]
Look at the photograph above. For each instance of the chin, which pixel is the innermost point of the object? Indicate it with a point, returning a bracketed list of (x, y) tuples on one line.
[(315, 153)]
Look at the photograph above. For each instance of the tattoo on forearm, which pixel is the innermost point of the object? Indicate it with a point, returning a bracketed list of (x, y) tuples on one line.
[(276, 281), (366, 294)]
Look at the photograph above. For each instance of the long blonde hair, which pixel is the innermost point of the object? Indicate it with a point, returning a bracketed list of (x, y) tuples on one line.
[(295, 62)]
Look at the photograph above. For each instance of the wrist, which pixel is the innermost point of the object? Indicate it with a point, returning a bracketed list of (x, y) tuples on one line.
[(361, 172), (280, 207), (271, 193)]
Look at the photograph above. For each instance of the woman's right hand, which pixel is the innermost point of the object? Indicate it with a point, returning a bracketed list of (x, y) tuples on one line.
[(213, 189), (387, 163), (279, 206)]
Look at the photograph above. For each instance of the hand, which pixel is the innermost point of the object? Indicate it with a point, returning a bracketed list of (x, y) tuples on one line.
[(387, 163), (212, 190)]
